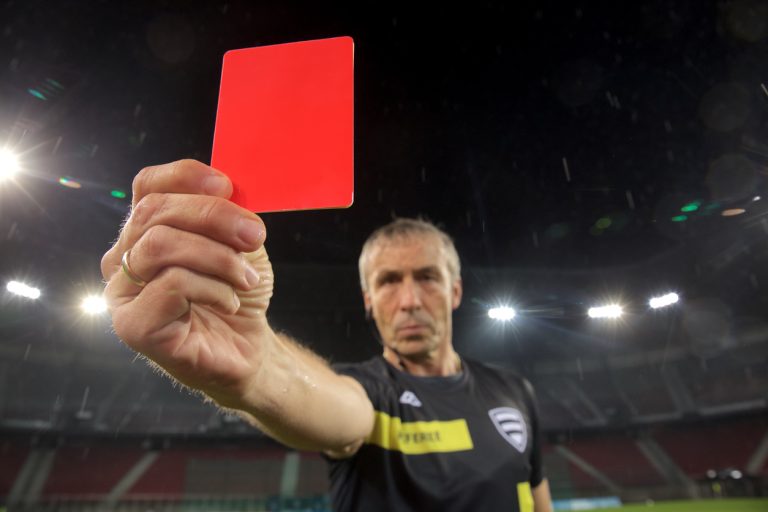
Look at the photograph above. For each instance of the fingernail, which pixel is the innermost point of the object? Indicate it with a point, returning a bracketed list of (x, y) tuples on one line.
[(250, 231), (215, 185), (237, 301), (251, 276)]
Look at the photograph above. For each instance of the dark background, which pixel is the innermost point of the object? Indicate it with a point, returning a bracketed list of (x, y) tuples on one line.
[(556, 141)]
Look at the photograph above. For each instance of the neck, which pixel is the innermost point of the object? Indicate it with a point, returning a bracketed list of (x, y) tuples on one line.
[(433, 365)]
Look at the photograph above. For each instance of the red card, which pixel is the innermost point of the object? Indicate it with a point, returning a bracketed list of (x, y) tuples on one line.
[(285, 125)]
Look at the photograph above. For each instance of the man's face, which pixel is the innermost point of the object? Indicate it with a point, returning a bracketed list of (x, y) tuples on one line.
[(411, 294)]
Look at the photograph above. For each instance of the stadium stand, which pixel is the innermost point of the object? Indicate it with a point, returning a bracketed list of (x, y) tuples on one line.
[(12, 454), (697, 449), (619, 457), (165, 473)]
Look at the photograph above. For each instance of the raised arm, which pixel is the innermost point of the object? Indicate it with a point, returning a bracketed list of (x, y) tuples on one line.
[(188, 286)]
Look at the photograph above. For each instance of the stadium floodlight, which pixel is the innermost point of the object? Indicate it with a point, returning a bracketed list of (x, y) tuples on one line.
[(609, 311), (502, 313), (664, 300), (736, 474), (94, 304), (9, 164), (24, 290)]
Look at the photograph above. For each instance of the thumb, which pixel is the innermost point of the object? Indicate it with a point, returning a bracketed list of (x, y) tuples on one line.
[(254, 302)]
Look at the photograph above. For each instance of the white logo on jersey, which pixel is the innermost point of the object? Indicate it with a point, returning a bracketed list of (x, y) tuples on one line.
[(511, 425), (409, 398)]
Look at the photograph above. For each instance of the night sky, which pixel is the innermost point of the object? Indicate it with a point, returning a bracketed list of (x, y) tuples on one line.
[(579, 152)]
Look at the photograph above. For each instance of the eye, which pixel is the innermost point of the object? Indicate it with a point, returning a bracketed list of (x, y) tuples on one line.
[(386, 279), (429, 276)]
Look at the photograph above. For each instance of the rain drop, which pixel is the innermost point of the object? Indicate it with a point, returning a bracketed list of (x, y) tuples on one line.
[(85, 399), (630, 199), (12, 231)]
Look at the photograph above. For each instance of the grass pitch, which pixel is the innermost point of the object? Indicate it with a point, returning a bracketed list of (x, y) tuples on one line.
[(723, 505)]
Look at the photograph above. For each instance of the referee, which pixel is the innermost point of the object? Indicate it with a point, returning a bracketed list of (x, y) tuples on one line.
[(418, 428)]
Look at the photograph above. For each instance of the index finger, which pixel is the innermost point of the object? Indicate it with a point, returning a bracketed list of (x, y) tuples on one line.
[(180, 177)]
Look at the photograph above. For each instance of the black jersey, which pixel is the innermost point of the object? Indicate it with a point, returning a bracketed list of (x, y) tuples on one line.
[(467, 442)]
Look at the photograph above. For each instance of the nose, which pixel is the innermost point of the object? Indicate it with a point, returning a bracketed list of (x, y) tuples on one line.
[(409, 295)]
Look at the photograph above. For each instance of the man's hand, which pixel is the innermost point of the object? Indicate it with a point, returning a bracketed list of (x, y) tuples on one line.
[(209, 280), (202, 314)]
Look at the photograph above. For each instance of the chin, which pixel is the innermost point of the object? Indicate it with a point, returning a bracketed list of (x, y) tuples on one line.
[(413, 346)]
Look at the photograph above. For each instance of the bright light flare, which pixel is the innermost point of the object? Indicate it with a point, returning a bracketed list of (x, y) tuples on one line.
[(664, 300), (503, 313), (69, 182), (9, 164), (30, 292), (94, 304), (609, 311)]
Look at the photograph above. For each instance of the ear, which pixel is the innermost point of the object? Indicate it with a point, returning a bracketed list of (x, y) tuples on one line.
[(367, 303), (457, 291)]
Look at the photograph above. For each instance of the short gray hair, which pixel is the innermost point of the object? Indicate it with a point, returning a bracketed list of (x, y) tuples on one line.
[(403, 228)]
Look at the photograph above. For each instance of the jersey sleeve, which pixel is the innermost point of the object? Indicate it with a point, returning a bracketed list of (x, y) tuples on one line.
[(366, 375)]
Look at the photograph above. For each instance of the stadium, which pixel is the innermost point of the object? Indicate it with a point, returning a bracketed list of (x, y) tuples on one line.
[(601, 168)]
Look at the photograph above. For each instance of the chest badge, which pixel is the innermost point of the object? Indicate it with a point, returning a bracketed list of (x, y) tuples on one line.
[(511, 425), (410, 398)]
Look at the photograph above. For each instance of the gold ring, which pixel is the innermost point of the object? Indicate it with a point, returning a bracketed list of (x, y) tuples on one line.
[(130, 273)]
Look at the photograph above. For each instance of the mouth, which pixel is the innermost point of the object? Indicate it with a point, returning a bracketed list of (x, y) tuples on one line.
[(411, 329)]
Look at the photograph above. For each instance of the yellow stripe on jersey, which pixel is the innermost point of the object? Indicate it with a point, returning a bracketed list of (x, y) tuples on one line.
[(418, 437), (524, 497)]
